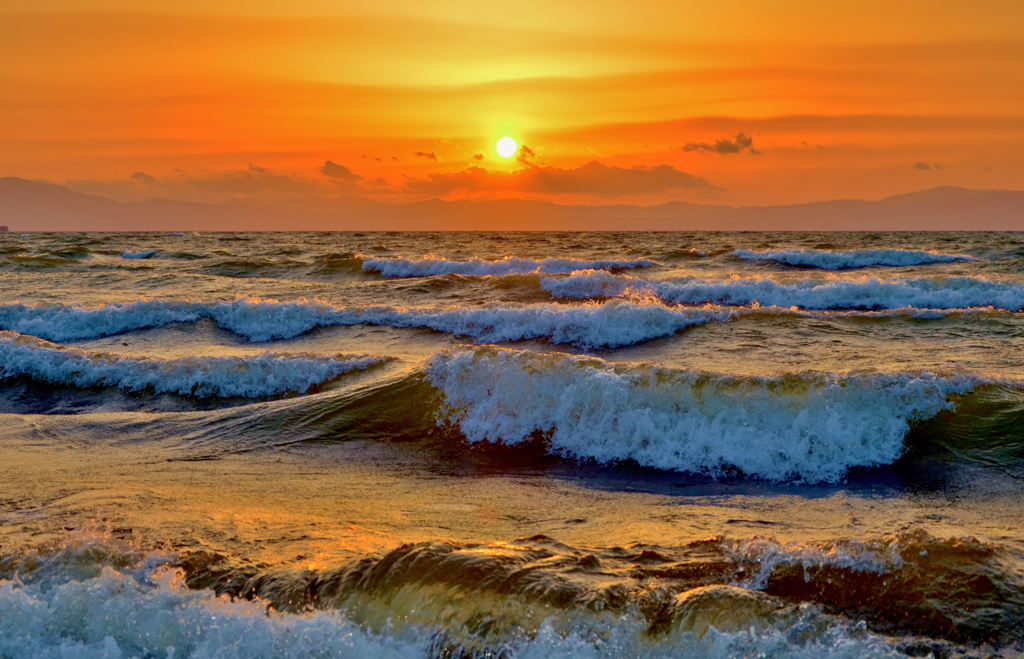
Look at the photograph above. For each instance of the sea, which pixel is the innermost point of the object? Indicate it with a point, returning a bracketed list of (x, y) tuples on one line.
[(511, 445)]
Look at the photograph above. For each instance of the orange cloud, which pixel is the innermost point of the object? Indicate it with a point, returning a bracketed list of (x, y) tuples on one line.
[(725, 146), (254, 182), (339, 172), (592, 178)]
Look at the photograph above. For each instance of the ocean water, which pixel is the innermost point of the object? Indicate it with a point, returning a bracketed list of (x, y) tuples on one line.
[(510, 445)]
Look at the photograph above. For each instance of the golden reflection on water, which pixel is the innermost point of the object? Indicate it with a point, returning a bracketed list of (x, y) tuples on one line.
[(318, 505)]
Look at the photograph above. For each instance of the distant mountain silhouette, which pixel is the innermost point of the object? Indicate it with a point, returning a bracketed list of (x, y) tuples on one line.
[(35, 206)]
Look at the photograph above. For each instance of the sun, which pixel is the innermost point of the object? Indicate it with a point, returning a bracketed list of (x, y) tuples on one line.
[(507, 147)]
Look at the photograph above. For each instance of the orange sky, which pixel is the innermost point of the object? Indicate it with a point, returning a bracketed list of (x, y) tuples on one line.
[(720, 102)]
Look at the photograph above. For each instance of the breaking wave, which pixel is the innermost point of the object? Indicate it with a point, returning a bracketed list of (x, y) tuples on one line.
[(866, 293), (609, 324), (432, 265), (259, 376), (860, 258), (807, 426), (531, 598)]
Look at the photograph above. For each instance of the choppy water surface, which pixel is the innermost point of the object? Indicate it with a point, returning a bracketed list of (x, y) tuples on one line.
[(511, 445)]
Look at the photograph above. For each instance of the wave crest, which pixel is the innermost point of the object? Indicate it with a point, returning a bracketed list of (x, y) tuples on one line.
[(808, 426), (610, 324), (433, 265), (258, 376), (860, 258), (865, 293)]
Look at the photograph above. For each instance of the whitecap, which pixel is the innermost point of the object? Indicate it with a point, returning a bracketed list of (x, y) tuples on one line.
[(806, 426), (432, 265), (255, 376), (864, 293), (139, 255), (860, 258), (592, 325)]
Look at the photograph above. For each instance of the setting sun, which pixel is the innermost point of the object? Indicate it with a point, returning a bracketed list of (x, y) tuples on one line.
[(507, 147)]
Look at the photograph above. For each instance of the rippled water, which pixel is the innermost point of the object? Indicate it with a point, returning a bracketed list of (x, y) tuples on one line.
[(511, 445)]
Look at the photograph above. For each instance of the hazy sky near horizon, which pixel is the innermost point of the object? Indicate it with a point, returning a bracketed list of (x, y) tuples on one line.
[(738, 102)]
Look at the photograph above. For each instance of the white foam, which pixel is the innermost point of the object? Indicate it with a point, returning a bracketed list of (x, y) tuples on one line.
[(74, 321), (119, 616), (807, 426), (70, 322), (609, 324), (115, 616), (860, 293), (853, 555), (139, 255), (627, 637), (256, 376), (860, 258), (432, 265)]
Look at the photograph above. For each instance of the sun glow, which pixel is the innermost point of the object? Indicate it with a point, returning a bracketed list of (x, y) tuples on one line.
[(506, 147)]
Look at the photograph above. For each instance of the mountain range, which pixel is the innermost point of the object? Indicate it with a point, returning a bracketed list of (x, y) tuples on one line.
[(38, 206)]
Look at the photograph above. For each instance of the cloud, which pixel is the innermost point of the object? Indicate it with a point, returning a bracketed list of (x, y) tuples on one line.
[(725, 146), (253, 182), (143, 177), (339, 172), (429, 155), (526, 156), (593, 178), (938, 166), (378, 184), (923, 166), (478, 156)]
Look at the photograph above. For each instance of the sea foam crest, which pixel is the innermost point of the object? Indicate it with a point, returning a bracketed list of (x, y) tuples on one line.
[(863, 293), (613, 323), (70, 322), (152, 614), (257, 376), (859, 258), (117, 615), (139, 255), (609, 324), (807, 426), (432, 265)]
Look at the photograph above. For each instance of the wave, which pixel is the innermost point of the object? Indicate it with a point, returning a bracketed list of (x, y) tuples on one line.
[(432, 265), (151, 613), (610, 324), (258, 376), (808, 426), (139, 255), (692, 253), (70, 322), (860, 258), (865, 293), (532, 598)]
